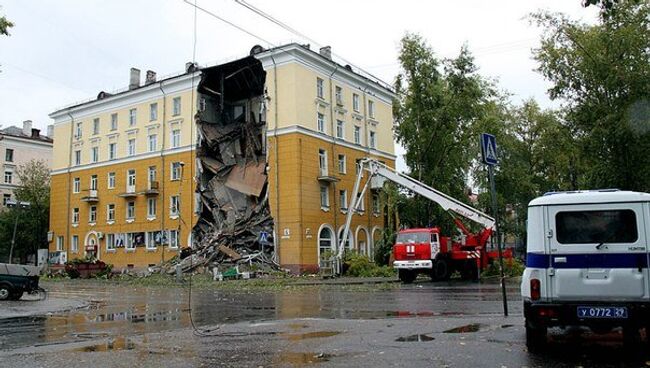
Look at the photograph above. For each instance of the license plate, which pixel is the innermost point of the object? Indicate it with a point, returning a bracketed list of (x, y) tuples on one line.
[(602, 312)]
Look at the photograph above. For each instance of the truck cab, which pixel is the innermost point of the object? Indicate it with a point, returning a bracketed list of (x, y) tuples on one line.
[(415, 250), (587, 263)]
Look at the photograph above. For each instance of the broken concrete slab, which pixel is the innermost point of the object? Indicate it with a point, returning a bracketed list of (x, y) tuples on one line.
[(248, 179)]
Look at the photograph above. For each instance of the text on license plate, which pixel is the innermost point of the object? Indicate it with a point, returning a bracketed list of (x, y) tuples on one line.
[(602, 312)]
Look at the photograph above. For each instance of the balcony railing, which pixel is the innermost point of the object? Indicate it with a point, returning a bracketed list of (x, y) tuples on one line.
[(152, 188), (91, 197)]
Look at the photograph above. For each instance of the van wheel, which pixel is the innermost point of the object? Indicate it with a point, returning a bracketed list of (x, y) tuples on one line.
[(535, 338), (407, 276), (5, 291), (440, 270)]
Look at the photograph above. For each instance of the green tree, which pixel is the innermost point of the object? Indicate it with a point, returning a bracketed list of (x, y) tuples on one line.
[(602, 74), (5, 24), (437, 104), (33, 222)]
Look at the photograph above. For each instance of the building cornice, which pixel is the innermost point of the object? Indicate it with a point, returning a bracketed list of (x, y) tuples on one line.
[(329, 139), (25, 141)]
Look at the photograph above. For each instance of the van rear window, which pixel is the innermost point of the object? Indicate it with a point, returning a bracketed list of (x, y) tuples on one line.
[(611, 226)]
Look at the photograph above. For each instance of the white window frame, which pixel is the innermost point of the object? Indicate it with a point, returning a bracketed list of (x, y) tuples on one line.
[(74, 244), (93, 182), (151, 208), (111, 180), (77, 157), (153, 111), (175, 173), (130, 147), (130, 178), (110, 242), (357, 134), (92, 214), (343, 199), (371, 109), (94, 154), (355, 102), (95, 126), (76, 185), (152, 140), (174, 203), (133, 116), (112, 151), (338, 93), (173, 239), (129, 243), (78, 134), (320, 123), (372, 139), (176, 106), (151, 174), (320, 87), (59, 243), (9, 155), (375, 204), (324, 197), (340, 129), (75, 215), (9, 176), (113, 121), (150, 240), (110, 212), (130, 210), (342, 164), (176, 138), (322, 162)]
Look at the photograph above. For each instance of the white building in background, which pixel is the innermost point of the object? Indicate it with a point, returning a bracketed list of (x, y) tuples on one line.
[(19, 146)]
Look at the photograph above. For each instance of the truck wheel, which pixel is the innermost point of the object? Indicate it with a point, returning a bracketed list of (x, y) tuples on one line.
[(407, 276), (16, 295), (440, 270), (469, 271), (5, 291), (535, 338)]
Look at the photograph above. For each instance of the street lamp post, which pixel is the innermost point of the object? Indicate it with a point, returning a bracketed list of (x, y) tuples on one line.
[(18, 205)]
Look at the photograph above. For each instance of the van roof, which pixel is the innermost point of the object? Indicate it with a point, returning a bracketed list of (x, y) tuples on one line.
[(590, 196)]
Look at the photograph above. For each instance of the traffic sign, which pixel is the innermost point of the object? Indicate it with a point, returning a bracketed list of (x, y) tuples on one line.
[(489, 149), (264, 237)]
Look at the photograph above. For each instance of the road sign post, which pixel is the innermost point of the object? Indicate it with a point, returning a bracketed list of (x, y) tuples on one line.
[(489, 155)]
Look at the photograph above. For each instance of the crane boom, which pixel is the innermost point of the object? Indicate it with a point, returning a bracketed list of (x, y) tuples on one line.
[(376, 168)]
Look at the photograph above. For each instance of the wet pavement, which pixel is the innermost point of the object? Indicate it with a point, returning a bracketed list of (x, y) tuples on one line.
[(453, 324)]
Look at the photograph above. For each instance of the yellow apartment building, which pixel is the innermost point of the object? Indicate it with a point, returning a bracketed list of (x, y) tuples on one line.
[(125, 176)]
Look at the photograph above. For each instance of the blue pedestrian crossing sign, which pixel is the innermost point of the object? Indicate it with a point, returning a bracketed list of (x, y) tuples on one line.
[(489, 149), (264, 237)]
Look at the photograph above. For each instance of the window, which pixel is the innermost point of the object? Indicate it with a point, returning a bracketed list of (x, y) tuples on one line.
[(77, 157), (322, 162), (320, 119), (78, 131), (357, 134), (133, 117), (151, 207), (173, 238), (110, 241), (114, 121), (340, 129), (9, 155), (94, 154), (324, 197), (153, 142), (153, 111), (152, 174), (130, 241), (131, 147), (110, 212), (176, 171), (95, 126), (371, 109), (112, 151), (375, 204), (5, 198), (174, 202), (74, 245), (151, 239), (93, 182), (76, 185), (9, 176), (355, 102), (111, 180), (339, 95), (320, 89), (130, 210), (75, 215), (583, 227), (342, 165), (343, 199), (92, 214), (176, 108), (176, 138), (361, 206), (357, 166), (130, 179), (59, 243), (373, 140)]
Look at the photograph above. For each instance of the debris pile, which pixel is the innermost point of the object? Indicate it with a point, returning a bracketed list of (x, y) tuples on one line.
[(235, 224)]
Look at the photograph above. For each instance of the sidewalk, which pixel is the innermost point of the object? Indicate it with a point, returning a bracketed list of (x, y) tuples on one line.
[(347, 281)]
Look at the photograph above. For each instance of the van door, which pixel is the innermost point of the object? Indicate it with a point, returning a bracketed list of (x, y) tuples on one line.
[(598, 252)]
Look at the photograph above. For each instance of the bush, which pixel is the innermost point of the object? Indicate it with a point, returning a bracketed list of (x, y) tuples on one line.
[(512, 267), (358, 265)]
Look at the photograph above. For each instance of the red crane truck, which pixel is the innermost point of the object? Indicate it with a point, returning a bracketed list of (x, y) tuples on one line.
[(426, 250)]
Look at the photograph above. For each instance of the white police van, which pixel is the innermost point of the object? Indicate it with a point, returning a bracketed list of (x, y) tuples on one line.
[(587, 263)]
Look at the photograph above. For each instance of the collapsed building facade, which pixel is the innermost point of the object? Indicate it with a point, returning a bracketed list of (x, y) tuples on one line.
[(259, 165)]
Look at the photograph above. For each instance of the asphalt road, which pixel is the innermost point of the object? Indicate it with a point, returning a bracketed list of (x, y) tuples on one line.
[(454, 324)]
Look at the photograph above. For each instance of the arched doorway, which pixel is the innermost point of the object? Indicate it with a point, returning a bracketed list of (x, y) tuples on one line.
[(376, 235), (363, 246), (91, 245), (349, 242), (325, 241)]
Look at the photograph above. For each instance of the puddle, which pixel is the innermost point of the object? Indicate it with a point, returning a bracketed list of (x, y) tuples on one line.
[(474, 327), (310, 335), (415, 338), (297, 326), (116, 344), (302, 358)]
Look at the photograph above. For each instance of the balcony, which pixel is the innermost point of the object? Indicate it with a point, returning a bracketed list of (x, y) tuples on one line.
[(91, 197), (325, 177), (152, 189), (130, 192)]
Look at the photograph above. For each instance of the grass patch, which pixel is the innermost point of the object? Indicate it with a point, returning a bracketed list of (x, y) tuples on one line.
[(512, 267)]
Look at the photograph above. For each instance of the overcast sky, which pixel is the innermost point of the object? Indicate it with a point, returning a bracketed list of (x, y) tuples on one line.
[(66, 51)]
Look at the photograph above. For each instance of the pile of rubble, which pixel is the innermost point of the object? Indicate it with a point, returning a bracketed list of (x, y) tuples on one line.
[(235, 224)]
